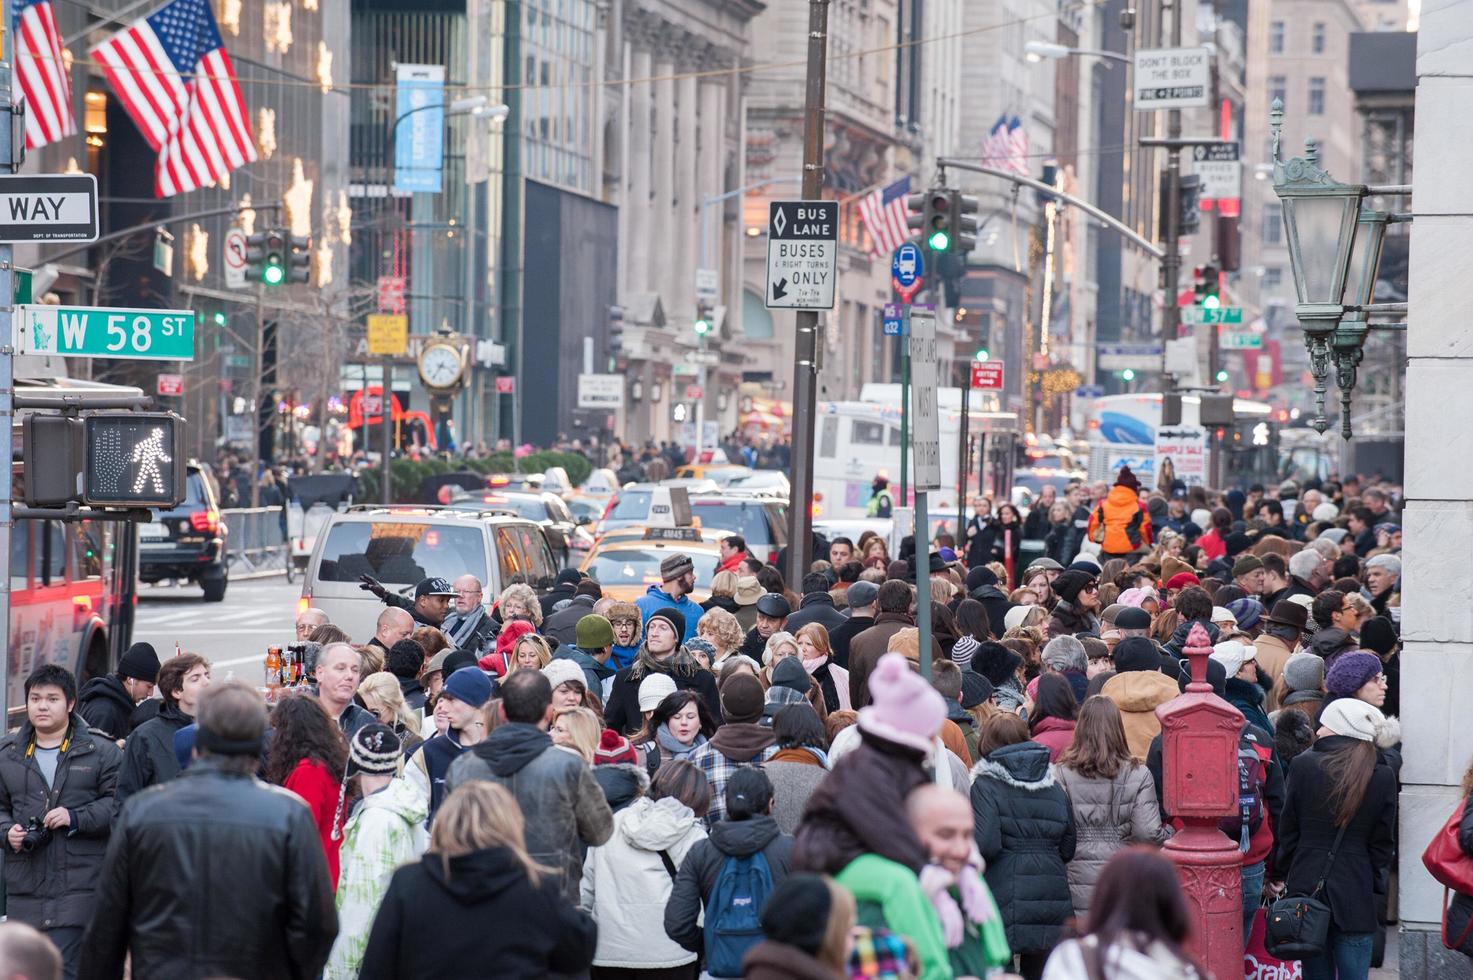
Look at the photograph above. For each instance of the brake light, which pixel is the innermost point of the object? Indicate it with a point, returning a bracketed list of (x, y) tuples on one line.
[(207, 521), (772, 557), (817, 510)]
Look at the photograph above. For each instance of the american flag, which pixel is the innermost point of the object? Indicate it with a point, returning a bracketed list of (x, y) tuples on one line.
[(1006, 145), (41, 72), (172, 74), (883, 213)]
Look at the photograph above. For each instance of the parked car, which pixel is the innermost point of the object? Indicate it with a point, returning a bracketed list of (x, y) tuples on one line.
[(187, 543), (400, 546)]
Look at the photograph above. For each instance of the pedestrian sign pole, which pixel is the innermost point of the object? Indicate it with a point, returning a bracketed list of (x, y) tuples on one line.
[(7, 394), (927, 438)]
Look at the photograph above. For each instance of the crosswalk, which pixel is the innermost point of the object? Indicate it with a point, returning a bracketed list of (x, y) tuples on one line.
[(205, 620)]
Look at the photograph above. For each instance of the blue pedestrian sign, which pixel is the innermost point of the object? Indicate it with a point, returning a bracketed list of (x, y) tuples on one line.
[(907, 266), (894, 320)]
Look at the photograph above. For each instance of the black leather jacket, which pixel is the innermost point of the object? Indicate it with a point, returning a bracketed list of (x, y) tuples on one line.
[(212, 874)]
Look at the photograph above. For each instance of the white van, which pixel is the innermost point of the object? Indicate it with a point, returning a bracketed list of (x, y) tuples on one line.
[(400, 546)]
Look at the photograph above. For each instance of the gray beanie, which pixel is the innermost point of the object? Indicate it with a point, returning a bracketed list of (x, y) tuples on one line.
[(1305, 672)]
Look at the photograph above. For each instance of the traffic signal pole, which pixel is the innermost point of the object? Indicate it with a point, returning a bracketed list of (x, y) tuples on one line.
[(805, 346), (7, 400), (1171, 260)]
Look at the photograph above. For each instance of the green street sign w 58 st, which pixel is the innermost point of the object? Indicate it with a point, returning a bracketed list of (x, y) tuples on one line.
[(82, 331)]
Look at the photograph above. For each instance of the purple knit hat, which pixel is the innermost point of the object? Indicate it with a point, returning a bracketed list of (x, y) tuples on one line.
[(1350, 672)]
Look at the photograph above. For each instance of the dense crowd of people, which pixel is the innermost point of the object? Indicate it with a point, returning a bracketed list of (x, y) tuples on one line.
[(759, 784)]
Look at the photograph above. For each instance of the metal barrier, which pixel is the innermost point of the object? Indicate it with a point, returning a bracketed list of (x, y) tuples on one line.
[(257, 545)]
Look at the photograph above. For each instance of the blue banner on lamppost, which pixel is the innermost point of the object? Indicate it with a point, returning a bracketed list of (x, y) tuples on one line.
[(419, 135)]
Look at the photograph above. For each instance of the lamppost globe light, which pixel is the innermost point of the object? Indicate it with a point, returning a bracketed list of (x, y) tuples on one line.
[(493, 112), (1036, 51), (467, 103)]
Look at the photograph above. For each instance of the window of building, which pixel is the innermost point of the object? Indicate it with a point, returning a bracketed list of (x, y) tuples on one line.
[(1278, 88), (1317, 96), (1276, 37), (1273, 224), (1317, 37), (1273, 279)]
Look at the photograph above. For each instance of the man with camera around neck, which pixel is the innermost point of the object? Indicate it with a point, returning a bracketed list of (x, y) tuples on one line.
[(56, 805)]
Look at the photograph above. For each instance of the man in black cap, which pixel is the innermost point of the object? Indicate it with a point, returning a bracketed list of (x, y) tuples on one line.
[(106, 703), (773, 611), (861, 596), (678, 581), (431, 603), (562, 590), (1133, 621)]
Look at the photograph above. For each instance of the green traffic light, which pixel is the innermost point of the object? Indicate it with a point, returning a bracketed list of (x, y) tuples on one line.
[(273, 275), (982, 354), (1211, 302), (1222, 376), (219, 319), (939, 241), (703, 327), (1127, 375)]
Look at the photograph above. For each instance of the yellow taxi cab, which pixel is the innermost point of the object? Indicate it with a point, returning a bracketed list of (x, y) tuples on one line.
[(626, 562)]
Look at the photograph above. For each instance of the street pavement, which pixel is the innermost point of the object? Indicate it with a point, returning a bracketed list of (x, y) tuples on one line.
[(233, 635)]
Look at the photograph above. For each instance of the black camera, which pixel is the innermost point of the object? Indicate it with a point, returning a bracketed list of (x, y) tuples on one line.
[(37, 835)]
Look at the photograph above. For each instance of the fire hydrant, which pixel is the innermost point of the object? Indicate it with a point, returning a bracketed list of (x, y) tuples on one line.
[(1199, 786)]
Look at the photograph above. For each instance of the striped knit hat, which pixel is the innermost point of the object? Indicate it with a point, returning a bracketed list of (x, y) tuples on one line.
[(373, 749)]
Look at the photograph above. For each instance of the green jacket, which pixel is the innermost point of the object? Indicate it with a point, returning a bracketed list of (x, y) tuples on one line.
[(384, 832), (894, 889)]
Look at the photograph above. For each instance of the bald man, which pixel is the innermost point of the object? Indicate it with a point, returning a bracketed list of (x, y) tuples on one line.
[(394, 624), (468, 625), (308, 620), (27, 953), (942, 819)]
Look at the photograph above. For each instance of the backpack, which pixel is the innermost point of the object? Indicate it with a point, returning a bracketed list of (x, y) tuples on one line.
[(732, 925), (1252, 776)]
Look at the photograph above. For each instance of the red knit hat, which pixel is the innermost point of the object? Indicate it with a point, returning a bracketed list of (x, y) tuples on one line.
[(613, 749)]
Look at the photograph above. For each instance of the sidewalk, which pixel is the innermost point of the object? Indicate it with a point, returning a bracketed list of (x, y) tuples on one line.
[(1390, 971)]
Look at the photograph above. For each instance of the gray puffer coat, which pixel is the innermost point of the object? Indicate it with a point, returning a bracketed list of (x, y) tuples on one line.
[(1108, 814)]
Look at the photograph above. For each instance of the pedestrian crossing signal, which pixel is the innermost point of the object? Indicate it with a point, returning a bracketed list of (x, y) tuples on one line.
[(134, 459)]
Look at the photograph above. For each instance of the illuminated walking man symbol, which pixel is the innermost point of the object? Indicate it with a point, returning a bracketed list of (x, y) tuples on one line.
[(149, 454)]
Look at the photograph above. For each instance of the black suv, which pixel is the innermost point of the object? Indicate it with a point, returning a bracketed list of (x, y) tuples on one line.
[(187, 542)]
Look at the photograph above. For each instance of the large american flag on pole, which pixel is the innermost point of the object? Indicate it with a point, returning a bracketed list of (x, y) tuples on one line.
[(883, 213), (1006, 145), (40, 73), (172, 74)]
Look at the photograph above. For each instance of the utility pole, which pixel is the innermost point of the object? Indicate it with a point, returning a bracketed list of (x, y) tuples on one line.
[(805, 346), (386, 422), (258, 395), (1171, 261), (7, 395)]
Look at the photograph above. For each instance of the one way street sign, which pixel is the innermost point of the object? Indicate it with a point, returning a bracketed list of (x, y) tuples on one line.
[(802, 254), (48, 208)]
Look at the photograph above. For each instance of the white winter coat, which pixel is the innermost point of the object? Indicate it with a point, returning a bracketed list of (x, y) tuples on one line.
[(1122, 962), (625, 884)]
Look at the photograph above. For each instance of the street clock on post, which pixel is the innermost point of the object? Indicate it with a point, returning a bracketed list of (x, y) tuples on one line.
[(442, 365)]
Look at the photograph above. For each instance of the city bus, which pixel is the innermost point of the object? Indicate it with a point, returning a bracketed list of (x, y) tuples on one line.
[(857, 441), (73, 585)]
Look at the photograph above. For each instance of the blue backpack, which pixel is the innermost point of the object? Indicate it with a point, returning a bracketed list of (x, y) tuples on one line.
[(732, 925)]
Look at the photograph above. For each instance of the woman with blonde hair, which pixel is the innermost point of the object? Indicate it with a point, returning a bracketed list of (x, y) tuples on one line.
[(577, 730), (723, 593), (817, 657), (518, 601), (722, 630), (432, 921), (382, 695), (779, 645), (531, 652)]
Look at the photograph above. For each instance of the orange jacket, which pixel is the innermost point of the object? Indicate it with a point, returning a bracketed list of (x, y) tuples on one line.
[(1125, 520)]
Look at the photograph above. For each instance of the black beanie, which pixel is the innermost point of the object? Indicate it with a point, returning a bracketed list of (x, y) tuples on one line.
[(1069, 584), (457, 660), (405, 659), (1378, 635), (141, 663), (797, 912), (995, 662), (979, 576), (1136, 653)]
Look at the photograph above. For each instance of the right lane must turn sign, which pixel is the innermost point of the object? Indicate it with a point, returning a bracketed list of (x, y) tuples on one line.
[(802, 254)]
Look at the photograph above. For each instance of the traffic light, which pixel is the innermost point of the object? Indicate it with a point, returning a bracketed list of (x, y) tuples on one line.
[(982, 354), (1127, 375), (266, 257), (108, 459), (931, 215), (220, 318), (1208, 286), (616, 330), (1222, 375), (703, 319), (965, 221), (301, 258)]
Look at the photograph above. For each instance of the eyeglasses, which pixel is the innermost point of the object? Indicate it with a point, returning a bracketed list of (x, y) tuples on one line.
[(466, 592), (1091, 587)]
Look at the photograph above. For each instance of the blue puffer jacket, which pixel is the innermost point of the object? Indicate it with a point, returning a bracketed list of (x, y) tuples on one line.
[(657, 598)]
